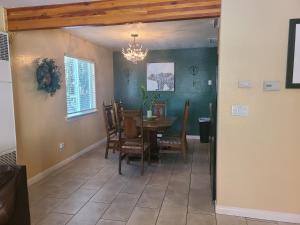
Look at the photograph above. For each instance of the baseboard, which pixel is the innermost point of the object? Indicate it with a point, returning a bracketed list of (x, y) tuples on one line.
[(258, 214), (193, 137), (52, 169)]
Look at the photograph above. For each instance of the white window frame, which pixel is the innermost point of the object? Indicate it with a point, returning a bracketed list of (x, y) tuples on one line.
[(71, 116)]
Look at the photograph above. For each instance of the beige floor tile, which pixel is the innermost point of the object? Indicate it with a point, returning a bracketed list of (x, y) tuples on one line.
[(230, 220), (55, 219), (39, 210), (83, 194), (121, 208), (70, 206), (89, 214), (200, 202), (100, 179), (200, 181), (179, 186), (176, 199), (201, 219), (75, 202), (260, 222), (133, 188), (174, 216), (152, 197), (144, 216), (66, 188), (160, 178), (282, 223), (109, 191), (110, 222)]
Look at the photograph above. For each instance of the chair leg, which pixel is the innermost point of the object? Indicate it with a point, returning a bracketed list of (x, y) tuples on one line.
[(142, 162), (149, 156), (184, 152), (107, 147), (186, 145), (120, 163)]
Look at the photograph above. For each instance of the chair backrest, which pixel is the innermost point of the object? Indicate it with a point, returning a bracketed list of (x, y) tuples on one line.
[(185, 120), (118, 109), (159, 108), (132, 124), (109, 118)]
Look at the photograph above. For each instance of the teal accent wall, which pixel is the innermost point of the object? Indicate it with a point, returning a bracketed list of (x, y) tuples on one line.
[(129, 77)]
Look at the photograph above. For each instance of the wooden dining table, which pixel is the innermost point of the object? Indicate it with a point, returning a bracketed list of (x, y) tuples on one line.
[(152, 126)]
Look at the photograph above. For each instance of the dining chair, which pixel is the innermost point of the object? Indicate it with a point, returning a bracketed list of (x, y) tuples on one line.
[(132, 138), (111, 129), (159, 108), (177, 143)]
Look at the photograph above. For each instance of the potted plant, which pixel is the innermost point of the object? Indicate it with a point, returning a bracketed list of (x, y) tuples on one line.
[(148, 100)]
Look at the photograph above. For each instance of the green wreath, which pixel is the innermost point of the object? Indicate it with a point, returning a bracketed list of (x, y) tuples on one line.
[(48, 76)]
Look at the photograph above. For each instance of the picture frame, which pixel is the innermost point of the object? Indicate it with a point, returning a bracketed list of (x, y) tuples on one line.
[(293, 60), (161, 76)]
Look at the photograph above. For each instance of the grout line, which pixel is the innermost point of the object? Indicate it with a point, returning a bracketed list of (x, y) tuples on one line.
[(159, 211), (188, 196)]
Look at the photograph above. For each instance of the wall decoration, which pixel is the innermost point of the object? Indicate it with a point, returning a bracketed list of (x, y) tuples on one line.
[(160, 77), (48, 76), (194, 69), (293, 63), (197, 84)]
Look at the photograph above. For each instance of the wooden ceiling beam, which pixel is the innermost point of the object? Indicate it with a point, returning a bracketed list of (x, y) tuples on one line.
[(109, 12)]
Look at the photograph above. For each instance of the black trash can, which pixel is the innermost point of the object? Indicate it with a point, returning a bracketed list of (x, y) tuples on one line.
[(204, 124)]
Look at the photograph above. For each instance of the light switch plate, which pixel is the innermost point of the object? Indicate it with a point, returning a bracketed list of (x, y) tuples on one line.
[(245, 84), (271, 85), (239, 110)]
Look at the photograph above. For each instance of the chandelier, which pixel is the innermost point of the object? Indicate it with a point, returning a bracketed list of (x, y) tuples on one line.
[(134, 52)]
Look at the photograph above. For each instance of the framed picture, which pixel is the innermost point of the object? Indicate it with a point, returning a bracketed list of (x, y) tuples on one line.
[(293, 62), (160, 77)]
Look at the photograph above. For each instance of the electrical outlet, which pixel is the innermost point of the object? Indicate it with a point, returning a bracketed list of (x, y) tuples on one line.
[(61, 146), (240, 110)]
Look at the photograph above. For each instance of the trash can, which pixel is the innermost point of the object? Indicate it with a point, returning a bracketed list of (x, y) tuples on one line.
[(204, 124)]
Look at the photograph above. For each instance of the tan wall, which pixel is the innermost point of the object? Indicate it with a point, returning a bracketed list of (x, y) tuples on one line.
[(258, 163), (40, 119), (2, 19)]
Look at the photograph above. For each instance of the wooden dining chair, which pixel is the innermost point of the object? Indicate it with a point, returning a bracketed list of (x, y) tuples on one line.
[(159, 108), (132, 138), (177, 143), (111, 129)]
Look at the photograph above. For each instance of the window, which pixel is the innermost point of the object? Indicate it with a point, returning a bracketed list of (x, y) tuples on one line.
[(80, 87)]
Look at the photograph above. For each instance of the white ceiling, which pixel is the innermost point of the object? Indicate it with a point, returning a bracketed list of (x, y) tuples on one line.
[(162, 35), (23, 3)]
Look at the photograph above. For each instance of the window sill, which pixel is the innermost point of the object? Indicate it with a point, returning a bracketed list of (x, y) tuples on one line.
[(76, 116)]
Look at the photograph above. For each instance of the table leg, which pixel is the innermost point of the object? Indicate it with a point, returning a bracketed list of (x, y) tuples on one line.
[(154, 151)]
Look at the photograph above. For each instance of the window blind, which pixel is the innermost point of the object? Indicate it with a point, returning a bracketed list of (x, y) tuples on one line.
[(80, 86)]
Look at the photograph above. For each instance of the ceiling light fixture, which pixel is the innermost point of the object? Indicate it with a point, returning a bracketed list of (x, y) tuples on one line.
[(134, 52)]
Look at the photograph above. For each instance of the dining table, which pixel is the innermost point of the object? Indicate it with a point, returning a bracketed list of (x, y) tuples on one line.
[(152, 126)]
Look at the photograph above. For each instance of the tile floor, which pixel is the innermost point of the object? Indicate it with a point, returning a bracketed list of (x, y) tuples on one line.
[(88, 191)]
